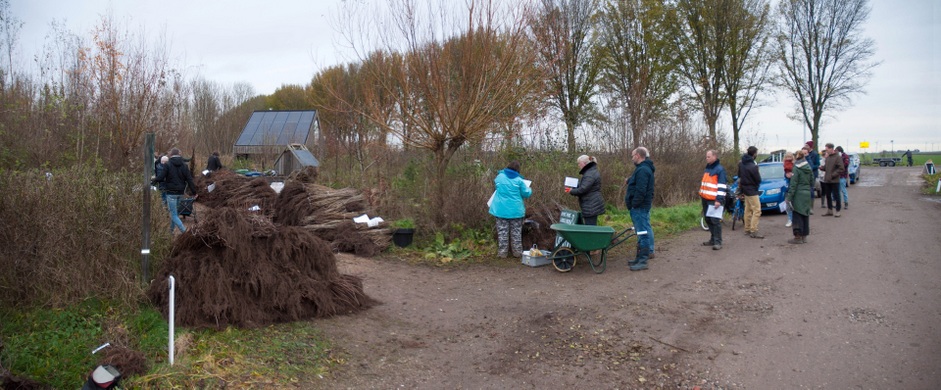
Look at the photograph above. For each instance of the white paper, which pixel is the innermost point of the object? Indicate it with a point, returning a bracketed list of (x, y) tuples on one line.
[(528, 183), (490, 201), (254, 208), (714, 211), (571, 182), (206, 172), (361, 219), (211, 187), (783, 207), (374, 222), (277, 186)]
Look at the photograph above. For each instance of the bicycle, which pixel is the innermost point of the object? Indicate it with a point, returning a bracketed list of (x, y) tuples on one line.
[(738, 211)]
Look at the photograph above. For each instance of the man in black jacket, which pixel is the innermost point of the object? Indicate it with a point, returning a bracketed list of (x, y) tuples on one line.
[(639, 200), (177, 178), (213, 164), (749, 179)]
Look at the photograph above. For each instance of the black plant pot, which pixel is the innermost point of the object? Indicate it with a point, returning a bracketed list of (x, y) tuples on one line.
[(402, 237)]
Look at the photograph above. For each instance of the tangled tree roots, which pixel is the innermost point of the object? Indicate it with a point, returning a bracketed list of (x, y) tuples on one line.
[(237, 268), (126, 360)]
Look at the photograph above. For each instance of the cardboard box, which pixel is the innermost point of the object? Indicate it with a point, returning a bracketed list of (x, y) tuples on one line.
[(535, 261)]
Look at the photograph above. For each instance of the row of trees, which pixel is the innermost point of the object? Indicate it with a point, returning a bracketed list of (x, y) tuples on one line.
[(498, 71), (91, 98), (600, 73)]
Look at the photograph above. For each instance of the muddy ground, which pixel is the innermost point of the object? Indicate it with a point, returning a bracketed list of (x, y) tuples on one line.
[(859, 306)]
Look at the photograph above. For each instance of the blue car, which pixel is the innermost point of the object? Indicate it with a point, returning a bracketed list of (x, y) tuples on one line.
[(772, 189)]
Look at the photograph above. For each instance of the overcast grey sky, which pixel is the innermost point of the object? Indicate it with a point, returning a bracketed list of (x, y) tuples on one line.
[(267, 44)]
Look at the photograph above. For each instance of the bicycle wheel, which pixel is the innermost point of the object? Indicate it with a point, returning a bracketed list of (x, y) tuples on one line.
[(563, 259), (738, 214)]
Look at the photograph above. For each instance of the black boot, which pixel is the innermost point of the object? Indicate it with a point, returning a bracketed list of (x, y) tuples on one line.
[(640, 263)]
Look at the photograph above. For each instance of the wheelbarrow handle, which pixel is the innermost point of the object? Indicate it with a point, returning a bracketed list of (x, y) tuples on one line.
[(617, 240)]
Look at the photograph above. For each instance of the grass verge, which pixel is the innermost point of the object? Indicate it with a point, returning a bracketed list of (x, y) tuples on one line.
[(53, 346)]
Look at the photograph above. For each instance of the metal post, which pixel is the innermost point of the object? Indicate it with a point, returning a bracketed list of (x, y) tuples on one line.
[(145, 222), (171, 315)]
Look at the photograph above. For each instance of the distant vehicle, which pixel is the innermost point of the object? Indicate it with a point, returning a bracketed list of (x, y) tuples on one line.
[(773, 186), (886, 161), (854, 168)]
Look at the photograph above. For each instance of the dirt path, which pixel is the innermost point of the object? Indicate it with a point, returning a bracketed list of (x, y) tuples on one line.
[(859, 306)]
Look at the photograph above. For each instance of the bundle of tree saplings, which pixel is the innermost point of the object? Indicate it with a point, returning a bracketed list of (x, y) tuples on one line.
[(239, 268), (329, 213)]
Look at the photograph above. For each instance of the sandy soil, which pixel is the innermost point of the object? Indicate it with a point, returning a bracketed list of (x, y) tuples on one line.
[(859, 306)]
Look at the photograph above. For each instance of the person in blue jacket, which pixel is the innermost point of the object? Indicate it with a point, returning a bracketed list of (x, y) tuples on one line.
[(639, 200), (508, 208)]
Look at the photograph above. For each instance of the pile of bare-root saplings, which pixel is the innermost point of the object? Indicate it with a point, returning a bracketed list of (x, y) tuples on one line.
[(250, 266)]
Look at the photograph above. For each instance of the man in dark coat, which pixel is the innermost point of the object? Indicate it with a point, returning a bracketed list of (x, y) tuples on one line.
[(832, 169), (160, 168), (813, 159), (639, 199), (178, 179), (749, 179), (213, 164), (589, 190)]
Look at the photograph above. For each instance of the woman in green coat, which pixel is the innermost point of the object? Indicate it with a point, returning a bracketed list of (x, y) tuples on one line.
[(798, 197)]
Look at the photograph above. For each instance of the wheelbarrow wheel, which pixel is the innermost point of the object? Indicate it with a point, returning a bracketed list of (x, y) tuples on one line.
[(563, 259)]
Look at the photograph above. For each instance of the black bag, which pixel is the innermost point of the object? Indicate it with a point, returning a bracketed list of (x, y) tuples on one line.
[(185, 206)]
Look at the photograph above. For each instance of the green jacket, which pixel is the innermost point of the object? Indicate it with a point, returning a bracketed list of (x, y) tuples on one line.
[(801, 184)]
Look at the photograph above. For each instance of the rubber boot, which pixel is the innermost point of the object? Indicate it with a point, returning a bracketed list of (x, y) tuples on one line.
[(640, 263)]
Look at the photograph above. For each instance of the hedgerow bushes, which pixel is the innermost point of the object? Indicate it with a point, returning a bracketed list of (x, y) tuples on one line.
[(70, 234)]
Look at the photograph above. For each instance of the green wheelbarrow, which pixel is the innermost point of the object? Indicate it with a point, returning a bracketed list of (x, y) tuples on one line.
[(581, 240)]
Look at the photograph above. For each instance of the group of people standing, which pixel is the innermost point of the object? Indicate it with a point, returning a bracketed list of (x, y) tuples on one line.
[(802, 168), (511, 188)]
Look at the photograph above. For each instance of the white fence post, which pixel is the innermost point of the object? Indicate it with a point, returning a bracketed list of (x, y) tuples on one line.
[(172, 300)]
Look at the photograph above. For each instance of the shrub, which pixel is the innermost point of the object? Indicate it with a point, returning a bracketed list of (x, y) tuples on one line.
[(74, 234)]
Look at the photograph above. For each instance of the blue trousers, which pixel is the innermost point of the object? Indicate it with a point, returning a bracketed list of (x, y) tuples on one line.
[(175, 222), (641, 219)]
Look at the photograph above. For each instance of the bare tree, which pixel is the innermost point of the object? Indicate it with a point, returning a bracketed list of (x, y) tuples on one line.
[(564, 38), (749, 60), (701, 31), (824, 58), (449, 90), (639, 62), (9, 34), (337, 92)]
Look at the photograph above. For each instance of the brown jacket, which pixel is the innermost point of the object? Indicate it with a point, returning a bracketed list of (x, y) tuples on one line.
[(833, 168)]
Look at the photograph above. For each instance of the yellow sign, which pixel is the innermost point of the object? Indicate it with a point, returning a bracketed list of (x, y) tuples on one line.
[(864, 145)]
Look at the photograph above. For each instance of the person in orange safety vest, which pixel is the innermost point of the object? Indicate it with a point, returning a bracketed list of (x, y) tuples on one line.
[(712, 190)]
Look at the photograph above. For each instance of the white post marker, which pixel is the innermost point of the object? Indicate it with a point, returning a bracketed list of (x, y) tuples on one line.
[(172, 299)]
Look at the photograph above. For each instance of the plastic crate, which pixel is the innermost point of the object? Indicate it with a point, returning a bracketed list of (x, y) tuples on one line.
[(535, 261)]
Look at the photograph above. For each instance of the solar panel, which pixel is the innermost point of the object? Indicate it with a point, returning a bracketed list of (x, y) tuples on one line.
[(277, 128)]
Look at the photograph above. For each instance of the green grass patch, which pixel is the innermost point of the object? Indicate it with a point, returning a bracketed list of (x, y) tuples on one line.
[(931, 184), (53, 346)]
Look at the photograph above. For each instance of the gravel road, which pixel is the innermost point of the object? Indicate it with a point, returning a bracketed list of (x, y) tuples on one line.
[(858, 307)]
